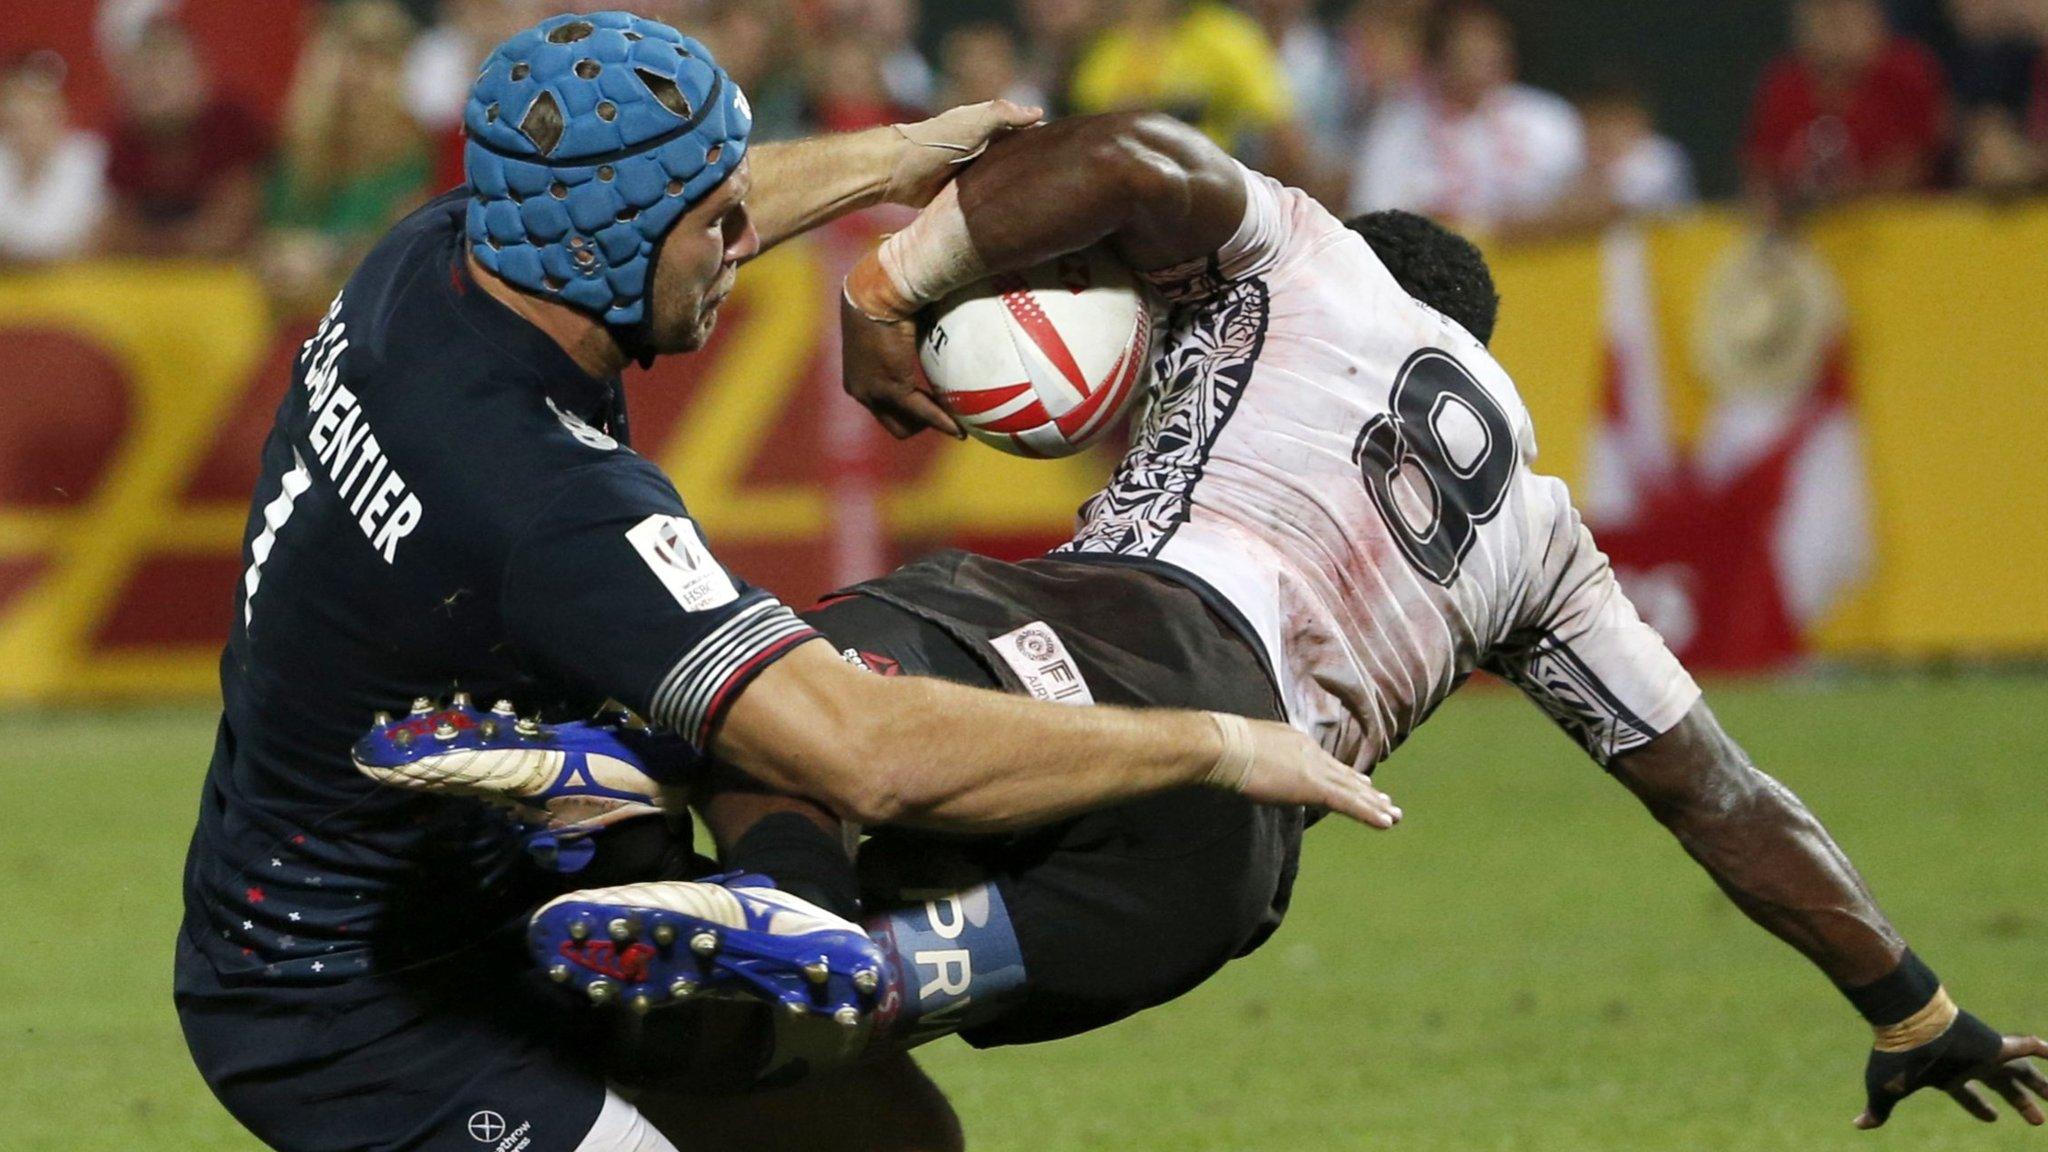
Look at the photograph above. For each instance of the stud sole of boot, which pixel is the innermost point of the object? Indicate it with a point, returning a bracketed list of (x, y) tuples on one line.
[(830, 973)]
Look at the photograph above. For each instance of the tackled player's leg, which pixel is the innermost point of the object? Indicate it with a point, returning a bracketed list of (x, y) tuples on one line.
[(1036, 936), (1059, 930)]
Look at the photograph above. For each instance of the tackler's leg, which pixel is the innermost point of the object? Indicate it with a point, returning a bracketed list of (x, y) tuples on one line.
[(883, 1105)]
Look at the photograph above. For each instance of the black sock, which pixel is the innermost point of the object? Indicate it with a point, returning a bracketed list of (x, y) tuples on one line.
[(803, 859)]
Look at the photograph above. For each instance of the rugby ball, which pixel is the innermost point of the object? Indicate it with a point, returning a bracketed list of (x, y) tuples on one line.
[(1041, 363)]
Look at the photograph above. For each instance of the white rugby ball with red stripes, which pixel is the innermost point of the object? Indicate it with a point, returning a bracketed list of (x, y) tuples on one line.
[(1040, 363)]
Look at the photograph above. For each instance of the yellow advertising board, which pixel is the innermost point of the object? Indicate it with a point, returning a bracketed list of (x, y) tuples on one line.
[(133, 400), (1948, 358)]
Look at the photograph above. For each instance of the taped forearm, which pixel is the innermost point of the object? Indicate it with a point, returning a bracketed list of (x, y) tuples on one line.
[(925, 262), (1035, 196), (877, 750), (1906, 1007), (1237, 757), (806, 183)]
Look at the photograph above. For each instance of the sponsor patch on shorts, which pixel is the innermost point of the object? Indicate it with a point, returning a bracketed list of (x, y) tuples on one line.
[(679, 559), (874, 662), (1041, 661)]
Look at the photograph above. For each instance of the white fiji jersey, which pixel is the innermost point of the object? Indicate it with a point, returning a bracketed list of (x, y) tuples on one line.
[(1351, 471)]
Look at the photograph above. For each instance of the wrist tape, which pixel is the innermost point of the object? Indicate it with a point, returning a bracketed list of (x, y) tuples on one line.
[(927, 261), (1921, 1027), (1233, 767)]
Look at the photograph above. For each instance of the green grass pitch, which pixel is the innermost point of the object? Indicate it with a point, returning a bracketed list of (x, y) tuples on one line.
[(1528, 963)]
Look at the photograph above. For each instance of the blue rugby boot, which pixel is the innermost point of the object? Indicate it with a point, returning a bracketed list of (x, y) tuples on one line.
[(570, 779), (650, 945)]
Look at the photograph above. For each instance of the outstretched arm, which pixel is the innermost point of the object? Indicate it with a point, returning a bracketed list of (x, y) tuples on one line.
[(1157, 191), (1776, 862), (879, 750), (802, 184), (1763, 847)]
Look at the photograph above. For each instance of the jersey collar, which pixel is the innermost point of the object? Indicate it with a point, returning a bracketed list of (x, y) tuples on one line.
[(549, 363)]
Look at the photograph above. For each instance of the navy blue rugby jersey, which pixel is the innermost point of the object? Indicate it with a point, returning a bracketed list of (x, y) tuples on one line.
[(447, 502)]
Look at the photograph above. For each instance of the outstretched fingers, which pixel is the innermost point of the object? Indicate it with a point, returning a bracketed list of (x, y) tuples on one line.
[(1008, 114), (2026, 1073), (2020, 1075), (1352, 794), (2007, 1085), (2021, 1047), (1973, 1103)]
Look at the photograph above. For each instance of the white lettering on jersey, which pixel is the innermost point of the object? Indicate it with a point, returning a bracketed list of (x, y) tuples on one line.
[(1040, 660), (383, 505), (581, 429), (275, 514), (677, 556)]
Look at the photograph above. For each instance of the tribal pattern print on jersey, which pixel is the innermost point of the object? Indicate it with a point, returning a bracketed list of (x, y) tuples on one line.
[(1207, 361), (1572, 695)]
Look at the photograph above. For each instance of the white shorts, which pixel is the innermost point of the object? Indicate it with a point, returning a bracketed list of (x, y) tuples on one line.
[(621, 1128)]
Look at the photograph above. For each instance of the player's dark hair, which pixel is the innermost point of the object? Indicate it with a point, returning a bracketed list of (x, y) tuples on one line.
[(1435, 265)]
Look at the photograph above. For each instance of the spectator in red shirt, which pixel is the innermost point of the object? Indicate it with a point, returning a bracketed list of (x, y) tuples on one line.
[(186, 170), (1853, 111)]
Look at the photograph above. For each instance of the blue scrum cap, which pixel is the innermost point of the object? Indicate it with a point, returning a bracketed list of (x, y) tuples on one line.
[(589, 137)]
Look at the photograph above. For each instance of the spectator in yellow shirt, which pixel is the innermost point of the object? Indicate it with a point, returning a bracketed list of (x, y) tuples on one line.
[(1210, 65)]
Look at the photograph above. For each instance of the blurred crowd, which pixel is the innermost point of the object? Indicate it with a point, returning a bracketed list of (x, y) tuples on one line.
[(1369, 104)]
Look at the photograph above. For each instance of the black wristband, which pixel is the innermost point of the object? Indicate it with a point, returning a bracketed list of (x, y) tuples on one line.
[(1892, 998), (803, 859)]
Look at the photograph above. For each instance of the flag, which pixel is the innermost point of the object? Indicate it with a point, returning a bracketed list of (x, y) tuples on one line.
[(1735, 548)]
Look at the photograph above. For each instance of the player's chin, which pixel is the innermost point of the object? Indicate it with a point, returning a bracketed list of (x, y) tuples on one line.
[(707, 323), (687, 337)]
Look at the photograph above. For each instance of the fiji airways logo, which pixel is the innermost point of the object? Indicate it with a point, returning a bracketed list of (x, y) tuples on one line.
[(1043, 665)]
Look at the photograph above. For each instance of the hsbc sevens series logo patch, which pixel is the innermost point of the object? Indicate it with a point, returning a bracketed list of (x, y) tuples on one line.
[(676, 554)]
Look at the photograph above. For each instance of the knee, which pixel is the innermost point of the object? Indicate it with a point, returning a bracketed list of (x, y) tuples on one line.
[(907, 1112), (1129, 938), (934, 1128)]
